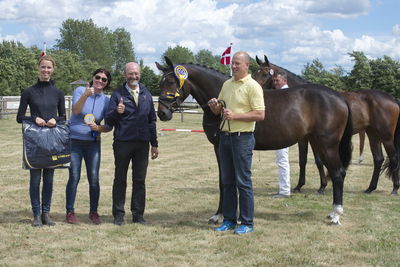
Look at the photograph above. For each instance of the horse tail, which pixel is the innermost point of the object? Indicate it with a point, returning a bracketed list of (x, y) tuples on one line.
[(345, 145), (390, 169)]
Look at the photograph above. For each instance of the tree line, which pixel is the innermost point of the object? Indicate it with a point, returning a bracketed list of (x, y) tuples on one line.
[(84, 47)]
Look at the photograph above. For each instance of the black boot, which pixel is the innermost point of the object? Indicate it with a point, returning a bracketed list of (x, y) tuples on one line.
[(37, 222), (46, 219)]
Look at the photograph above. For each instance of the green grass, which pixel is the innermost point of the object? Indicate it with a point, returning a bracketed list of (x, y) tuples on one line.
[(182, 193)]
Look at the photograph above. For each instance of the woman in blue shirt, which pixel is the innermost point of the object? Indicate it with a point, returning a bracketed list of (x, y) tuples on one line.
[(88, 109)]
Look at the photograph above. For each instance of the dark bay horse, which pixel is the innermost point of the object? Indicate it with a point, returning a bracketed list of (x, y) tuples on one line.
[(312, 112), (374, 112)]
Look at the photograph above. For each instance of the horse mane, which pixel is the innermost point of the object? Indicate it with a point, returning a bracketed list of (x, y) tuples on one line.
[(291, 73), (206, 67)]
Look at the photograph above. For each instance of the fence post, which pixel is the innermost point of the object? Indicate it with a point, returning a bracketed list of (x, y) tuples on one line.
[(1, 107)]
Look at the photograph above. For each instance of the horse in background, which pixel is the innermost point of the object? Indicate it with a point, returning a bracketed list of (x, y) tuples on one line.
[(374, 112), (312, 112)]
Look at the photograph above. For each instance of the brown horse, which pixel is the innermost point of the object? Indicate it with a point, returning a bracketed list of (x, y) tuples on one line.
[(312, 112), (374, 112)]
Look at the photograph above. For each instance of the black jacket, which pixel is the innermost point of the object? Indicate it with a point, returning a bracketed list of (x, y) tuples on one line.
[(138, 122), (45, 100)]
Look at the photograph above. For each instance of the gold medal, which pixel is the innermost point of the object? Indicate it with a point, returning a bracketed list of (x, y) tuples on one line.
[(89, 118)]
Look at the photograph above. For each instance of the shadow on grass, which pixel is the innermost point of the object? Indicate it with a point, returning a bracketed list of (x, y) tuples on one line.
[(193, 219)]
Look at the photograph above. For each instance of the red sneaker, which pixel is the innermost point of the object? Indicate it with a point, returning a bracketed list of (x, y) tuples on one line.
[(94, 217), (70, 218)]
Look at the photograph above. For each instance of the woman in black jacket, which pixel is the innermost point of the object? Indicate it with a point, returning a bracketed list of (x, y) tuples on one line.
[(47, 107)]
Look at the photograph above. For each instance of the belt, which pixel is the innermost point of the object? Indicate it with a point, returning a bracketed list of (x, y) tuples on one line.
[(236, 133)]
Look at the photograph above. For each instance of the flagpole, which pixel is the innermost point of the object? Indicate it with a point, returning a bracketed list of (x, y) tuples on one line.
[(230, 60), (44, 49)]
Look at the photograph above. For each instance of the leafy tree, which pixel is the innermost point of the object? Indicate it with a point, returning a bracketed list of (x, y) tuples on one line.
[(18, 67), (361, 76), (150, 79), (339, 78), (386, 75), (122, 53), (86, 40), (316, 73), (206, 58), (178, 54), (69, 69), (253, 66), (98, 46), (313, 72)]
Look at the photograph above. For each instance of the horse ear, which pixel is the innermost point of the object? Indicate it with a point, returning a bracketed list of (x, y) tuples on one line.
[(160, 67), (169, 62), (266, 60), (258, 61)]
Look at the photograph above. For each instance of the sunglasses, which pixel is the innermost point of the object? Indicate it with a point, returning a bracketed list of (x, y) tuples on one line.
[(97, 77)]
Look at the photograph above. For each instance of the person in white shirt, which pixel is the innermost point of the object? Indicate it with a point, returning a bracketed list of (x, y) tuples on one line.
[(282, 155)]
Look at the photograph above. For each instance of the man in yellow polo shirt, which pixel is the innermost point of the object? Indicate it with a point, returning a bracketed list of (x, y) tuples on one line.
[(241, 102)]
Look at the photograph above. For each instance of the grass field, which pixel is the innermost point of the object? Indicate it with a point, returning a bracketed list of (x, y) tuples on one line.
[(182, 193)]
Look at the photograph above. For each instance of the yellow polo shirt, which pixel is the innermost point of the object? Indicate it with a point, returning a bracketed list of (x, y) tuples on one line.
[(242, 96)]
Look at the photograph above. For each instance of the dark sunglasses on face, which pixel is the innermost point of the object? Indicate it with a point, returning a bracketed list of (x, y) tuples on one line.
[(97, 77)]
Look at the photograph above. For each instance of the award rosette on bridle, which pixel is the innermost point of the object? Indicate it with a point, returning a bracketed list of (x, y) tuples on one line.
[(181, 73)]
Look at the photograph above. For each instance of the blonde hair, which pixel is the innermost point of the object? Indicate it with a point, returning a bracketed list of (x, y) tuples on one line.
[(48, 58)]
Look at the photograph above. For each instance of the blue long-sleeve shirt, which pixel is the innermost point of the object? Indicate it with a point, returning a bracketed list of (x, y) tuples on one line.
[(96, 104), (138, 122)]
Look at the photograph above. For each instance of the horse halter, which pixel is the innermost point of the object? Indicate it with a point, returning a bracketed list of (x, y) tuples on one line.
[(172, 100), (268, 76)]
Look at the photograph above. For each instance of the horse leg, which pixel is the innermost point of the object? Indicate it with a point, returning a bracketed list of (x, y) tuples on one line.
[(331, 158), (303, 150), (362, 141), (217, 217), (337, 175), (378, 159), (322, 176), (393, 167)]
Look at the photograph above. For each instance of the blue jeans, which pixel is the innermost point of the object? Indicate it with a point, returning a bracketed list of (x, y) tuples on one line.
[(90, 152), (47, 189), (236, 154)]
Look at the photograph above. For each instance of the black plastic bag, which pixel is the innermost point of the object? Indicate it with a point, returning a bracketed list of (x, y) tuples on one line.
[(45, 147)]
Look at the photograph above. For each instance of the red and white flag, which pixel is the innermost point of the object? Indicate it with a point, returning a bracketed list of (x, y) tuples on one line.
[(44, 49), (226, 56)]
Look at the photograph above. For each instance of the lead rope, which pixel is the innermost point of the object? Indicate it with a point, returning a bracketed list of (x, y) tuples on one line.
[(223, 105)]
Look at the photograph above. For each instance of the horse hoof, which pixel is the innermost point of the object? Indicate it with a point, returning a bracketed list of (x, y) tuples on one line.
[(296, 190), (368, 191), (334, 222), (394, 194), (321, 192), (214, 219)]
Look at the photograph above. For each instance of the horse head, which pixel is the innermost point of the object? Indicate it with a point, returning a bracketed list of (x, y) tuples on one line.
[(266, 70), (173, 89), (264, 73)]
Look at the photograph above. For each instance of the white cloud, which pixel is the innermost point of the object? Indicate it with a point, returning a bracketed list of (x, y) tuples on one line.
[(286, 30), (20, 37), (396, 29)]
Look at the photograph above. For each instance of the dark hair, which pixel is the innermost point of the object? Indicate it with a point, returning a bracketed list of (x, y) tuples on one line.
[(107, 73), (281, 73)]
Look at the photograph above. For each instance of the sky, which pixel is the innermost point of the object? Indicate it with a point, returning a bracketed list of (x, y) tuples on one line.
[(291, 33)]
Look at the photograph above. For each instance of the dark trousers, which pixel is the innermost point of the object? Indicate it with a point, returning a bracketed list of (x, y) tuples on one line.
[(124, 153), (47, 190)]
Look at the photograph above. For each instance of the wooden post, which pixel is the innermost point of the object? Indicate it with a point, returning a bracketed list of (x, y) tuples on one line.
[(1, 107)]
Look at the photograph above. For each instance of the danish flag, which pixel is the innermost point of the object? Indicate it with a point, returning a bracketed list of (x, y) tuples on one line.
[(226, 56)]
